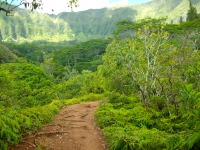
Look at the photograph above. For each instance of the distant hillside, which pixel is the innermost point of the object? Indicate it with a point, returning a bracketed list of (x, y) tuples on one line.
[(101, 22), (172, 9), (85, 25), (96, 23), (33, 26), (6, 55)]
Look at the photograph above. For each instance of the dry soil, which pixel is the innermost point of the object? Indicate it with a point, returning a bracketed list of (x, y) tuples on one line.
[(73, 128)]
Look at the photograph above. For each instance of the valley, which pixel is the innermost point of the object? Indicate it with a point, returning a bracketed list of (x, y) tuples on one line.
[(71, 26), (118, 78)]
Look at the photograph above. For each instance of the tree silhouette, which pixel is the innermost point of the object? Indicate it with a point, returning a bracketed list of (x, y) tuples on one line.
[(192, 13), (8, 7)]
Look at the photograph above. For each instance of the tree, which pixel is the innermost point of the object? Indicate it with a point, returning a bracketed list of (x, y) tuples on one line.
[(0, 36), (181, 19), (153, 66), (8, 7), (192, 13)]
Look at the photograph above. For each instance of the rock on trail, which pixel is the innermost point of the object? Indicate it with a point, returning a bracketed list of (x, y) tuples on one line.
[(73, 128)]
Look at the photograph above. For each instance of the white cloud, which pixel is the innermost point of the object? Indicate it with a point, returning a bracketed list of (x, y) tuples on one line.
[(91, 4), (56, 5), (96, 4), (119, 2), (61, 5)]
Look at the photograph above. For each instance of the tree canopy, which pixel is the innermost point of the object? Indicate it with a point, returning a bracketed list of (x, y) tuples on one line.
[(146, 76), (192, 13)]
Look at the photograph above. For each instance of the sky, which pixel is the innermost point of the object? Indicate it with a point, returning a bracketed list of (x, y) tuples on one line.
[(62, 6)]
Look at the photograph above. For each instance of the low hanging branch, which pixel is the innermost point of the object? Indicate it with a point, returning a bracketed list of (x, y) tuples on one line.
[(6, 11), (9, 7)]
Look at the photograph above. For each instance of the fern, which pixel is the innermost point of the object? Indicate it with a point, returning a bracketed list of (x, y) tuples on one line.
[(3, 145), (193, 142), (172, 141)]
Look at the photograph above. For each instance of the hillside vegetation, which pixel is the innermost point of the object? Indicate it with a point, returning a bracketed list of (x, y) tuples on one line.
[(70, 26), (152, 84), (146, 75), (30, 26)]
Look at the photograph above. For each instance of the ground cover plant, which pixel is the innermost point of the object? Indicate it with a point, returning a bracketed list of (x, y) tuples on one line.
[(147, 77), (152, 83)]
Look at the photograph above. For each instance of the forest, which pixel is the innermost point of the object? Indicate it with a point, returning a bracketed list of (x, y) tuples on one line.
[(146, 74)]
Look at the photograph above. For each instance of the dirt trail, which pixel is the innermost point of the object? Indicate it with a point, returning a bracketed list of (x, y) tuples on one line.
[(73, 129)]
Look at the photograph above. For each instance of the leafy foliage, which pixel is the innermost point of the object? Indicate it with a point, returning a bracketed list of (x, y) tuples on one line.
[(24, 85), (83, 56), (150, 78), (26, 26), (69, 26), (6, 55), (192, 13), (16, 123), (149, 75)]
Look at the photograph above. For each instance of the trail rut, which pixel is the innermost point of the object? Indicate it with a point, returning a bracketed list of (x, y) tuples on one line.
[(73, 128)]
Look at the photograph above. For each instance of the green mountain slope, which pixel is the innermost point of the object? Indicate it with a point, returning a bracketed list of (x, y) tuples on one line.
[(101, 22), (173, 9), (96, 23), (33, 26), (86, 25), (155, 9)]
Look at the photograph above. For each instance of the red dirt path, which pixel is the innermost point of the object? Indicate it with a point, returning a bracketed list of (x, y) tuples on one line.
[(73, 128)]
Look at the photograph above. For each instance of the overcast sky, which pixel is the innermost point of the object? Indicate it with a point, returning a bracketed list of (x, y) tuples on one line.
[(61, 5)]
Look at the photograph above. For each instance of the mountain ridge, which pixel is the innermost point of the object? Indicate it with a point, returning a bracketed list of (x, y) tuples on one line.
[(85, 25)]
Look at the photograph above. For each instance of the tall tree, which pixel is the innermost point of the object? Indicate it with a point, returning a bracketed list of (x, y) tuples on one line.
[(192, 13), (0, 36)]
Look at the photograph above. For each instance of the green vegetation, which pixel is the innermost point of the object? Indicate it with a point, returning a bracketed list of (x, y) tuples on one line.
[(15, 123), (6, 55), (147, 76), (31, 26), (192, 13), (30, 95), (26, 26), (84, 56), (152, 87), (24, 85)]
